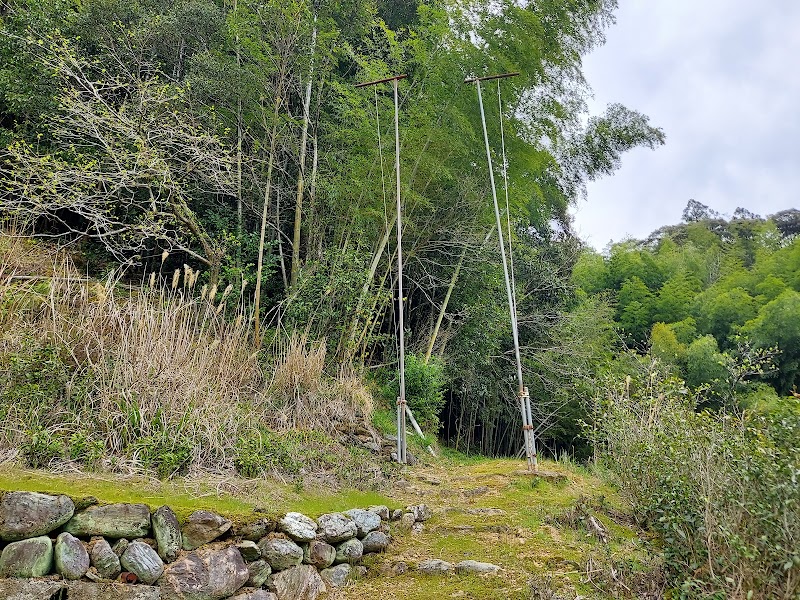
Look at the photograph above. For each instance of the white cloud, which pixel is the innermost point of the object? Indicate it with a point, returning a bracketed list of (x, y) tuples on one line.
[(721, 78)]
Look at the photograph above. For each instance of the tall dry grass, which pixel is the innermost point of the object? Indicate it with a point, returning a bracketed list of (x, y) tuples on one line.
[(169, 366)]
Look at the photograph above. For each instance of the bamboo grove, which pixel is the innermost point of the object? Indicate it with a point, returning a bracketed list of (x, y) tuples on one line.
[(230, 135)]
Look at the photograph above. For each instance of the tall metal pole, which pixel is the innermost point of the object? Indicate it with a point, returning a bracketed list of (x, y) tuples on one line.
[(401, 400), (401, 408), (527, 426)]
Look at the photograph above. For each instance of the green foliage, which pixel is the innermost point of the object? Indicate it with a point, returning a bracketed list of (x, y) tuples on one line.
[(719, 489), (40, 448), (424, 390), (167, 454), (778, 323), (705, 365), (664, 345)]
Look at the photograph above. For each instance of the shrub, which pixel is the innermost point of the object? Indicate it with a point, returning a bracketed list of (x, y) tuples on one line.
[(721, 489), (425, 385)]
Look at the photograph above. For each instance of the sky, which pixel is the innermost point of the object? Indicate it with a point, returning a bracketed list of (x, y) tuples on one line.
[(722, 79)]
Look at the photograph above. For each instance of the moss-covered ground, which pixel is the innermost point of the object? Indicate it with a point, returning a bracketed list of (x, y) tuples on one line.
[(485, 510)]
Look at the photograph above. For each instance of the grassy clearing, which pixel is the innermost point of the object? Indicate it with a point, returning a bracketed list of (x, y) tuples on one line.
[(485, 510)]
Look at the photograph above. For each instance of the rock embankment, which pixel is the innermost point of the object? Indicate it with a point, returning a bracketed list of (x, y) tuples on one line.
[(52, 550)]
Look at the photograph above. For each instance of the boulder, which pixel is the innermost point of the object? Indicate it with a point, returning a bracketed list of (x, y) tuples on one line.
[(27, 558), (167, 533), (407, 521), (81, 590), (204, 575), (111, 521), (203, 527), (104, 559), (421, 512), (319, 554), (396, 514), (259, 573), (434, 566), (299, 583), (280, 554), (366, 520), (71, 557), (375, 541), (29, 589), (254, 595), (28, 514), (141, 560), (255, 530), (336, 527), (350, 551), (298, 527), (473, 566), (249, 550), (381, 510), (336, 576), (120, 546)]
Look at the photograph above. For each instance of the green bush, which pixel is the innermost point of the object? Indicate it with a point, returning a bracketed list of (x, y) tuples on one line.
[(425, 384), (41, 447), (166, 454), (721, 489)]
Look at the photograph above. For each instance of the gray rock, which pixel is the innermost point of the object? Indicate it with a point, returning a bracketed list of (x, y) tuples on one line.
[(80, 590), (336, 527), (381, 510), (204, 575), (104, 559), (298, 527), (71, 557), (249, 550), (473, 566), (259, 573), (203, 527), (254, 595), (120, 546), (280, 554), (319, 554), (29, 589), (375, 541), (336, 576), (111, 521), (359, 571), (28, 514), (393, 569), (397, 514), (141, 560), (407, 521), (366, 520), (421, 512), (434, 566), (417, 528), (255, 530), (299, 583), (27, 558), (350, 551), (167, 532)]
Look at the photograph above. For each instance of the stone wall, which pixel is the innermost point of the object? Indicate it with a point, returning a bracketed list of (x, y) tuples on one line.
[(53, 550)]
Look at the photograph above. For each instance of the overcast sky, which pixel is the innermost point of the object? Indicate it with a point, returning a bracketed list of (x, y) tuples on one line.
[(722, 78)]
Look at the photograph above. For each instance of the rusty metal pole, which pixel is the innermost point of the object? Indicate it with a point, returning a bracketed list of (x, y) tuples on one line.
[(402, 446), (527, 425)]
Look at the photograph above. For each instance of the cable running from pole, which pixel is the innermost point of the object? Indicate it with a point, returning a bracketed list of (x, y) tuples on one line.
[(508, 209)]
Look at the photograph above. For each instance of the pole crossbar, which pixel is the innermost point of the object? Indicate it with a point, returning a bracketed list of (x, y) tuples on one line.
[(377, 81), (491, 77)]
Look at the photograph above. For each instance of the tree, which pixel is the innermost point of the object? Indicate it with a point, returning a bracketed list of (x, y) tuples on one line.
[(778, 324), (127, 163), (697, 211)]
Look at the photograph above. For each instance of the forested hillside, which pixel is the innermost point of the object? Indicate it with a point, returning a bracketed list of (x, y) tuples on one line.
[(229, 137), (198, 278), (715, 299)]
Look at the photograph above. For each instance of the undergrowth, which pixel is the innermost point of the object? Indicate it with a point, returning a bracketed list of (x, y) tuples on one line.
[(163, 377)]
